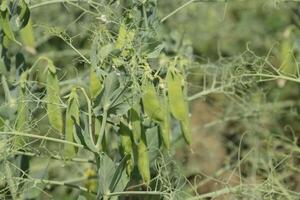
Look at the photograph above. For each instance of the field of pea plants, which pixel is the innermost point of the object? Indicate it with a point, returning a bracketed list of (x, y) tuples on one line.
[(149, 100)]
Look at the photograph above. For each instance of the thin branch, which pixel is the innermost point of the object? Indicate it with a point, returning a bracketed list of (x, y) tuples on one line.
[(42, 138)]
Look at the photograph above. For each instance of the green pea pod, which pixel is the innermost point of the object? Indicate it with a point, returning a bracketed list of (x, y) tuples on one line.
[(177, 102), (95, 84), (143, 159), (135, 123), (151, 103), (53, 100), (72, 110), (126, 146), (155, 108)]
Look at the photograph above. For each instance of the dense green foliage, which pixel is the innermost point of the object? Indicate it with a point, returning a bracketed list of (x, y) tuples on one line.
[(147, 99)]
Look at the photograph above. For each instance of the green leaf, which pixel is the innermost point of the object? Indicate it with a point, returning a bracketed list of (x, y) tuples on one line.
[(82, 134), (28, 39), (7, 112), (81, 197), (110, 96), (99, 53), (19, 19), (112, 177), (121, 41), (156, 52), (5, 25), (153, 142)]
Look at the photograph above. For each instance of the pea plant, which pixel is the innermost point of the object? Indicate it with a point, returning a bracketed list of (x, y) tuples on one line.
[(112, 116)]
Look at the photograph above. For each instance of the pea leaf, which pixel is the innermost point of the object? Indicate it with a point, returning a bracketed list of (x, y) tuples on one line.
[(21, 17), (112, 177), (99, 53), (155, 53), (110, 96), (82, 134), (5, 26)]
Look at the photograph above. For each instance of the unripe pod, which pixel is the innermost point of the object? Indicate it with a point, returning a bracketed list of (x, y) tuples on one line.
[(177, 102)]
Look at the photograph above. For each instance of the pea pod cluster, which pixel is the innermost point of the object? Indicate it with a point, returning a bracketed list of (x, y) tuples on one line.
[(154, 107)]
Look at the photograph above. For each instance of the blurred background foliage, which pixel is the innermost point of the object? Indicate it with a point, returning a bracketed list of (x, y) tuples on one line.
[(246, 132)]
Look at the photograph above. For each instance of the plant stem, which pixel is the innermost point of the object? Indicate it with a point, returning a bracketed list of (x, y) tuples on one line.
[(138, 193), (42, 137), (50, 2), (56, 157), (280, 76), (176, 10), (216, 193), (185, 5), (60, 183)]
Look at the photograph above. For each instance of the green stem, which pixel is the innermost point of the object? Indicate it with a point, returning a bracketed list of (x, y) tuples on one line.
[(176, 10), (50, 2), (60, 183), (43, 138), (138, 193), (272, 76), (215, 194), (185, 5), (56, 157)]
